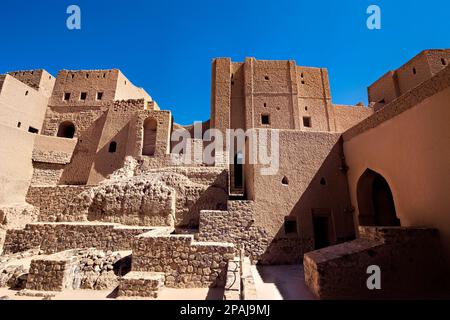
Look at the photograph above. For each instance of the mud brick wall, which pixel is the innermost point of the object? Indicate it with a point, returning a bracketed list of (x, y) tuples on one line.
[(53, 273), (410, 260), (186, 264), (52, 201), (55, 237)]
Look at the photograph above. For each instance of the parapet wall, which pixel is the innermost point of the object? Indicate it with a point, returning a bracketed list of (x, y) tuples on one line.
[(186, 264), (410, 261), (55, 237)]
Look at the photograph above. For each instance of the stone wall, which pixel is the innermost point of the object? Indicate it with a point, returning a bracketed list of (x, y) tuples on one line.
[(186, 264), (53, 273), (410, 260), (55, 237), (52, 200)]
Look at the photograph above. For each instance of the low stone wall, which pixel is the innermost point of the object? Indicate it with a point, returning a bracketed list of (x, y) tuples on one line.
[(54, 273), (55, 237), (53, 200), (410, 260), (185, 263), (141, 284)]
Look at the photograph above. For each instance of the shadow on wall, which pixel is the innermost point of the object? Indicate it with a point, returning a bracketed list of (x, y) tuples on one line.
[(110, 157), (215, 197), (323, 216), (78, 170)]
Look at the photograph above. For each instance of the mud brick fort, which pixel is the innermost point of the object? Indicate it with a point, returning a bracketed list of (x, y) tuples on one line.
[(91, 197)]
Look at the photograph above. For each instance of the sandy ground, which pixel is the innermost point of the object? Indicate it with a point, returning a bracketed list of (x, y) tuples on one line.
[(165, 294), (284, 282)]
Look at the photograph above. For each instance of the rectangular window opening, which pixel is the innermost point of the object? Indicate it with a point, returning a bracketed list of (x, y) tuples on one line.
[(290, 225), (67, 96), (99, 95), (265, 119), (83, 96), (307, 122)]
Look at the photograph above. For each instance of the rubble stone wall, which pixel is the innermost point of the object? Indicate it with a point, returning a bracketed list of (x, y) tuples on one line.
[(186, 264), (55, 237)]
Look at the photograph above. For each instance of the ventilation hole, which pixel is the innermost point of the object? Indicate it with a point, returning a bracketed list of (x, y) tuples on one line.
[(19, 124), (26, 93), (73, 75), (266, 77), (444, 63), (414, 71), (265, 105), (303, 81), (285, 181), (323, 182), (87, 75), (306, 108), (112, 147)]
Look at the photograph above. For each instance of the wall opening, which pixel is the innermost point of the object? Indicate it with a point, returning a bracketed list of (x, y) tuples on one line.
[(66, 130), (323, 182), (149, 140), (321, 226), (267, 78), (239, 170), (26, 93), (307, 122), (19, 124), (67, 96), (112, 147), (99, 95), (265, 119), (285, 181), (444, 63), (33, 130), (414, 71), (290, 225), (83, 96), (375, 201)]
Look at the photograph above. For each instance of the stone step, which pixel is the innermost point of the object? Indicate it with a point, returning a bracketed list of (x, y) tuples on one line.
[(141, 284)]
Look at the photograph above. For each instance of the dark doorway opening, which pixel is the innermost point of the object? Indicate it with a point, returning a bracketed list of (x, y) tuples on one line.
[(321, 225), (238, 170), (375, 201), (66, 130)]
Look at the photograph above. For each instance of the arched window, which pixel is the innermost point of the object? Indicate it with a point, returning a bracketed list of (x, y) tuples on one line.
[(149, 141), (66, 130), (375, 201), (112, 147)]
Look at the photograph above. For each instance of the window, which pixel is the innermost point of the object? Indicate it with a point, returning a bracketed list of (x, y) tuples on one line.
[(112, 147), (26, 93), (265, 105), (73, 75), (19, 124), (33, 130), (444, 63), (414, 71), (67, 96), (104, 75), (285, 181), (307, 122), (290, 225), (303, 81), (87, 75), (83, 96), (323, 182), (266, 78), (265, 119), (99, 95), (306, 108)]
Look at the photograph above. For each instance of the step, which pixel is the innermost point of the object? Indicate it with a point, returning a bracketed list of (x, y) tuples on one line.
[(141, 284)]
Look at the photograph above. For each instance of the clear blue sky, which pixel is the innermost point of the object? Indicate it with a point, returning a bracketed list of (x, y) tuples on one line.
[(167, 46)]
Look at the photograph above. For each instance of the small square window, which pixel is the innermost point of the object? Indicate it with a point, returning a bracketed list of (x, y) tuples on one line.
[(33, 130), (307, 122), (83, 96), (99, 95), (67, 96), (290, 225), (265, 119)]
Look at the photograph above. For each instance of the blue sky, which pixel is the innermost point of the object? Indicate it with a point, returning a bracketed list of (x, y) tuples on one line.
[(167, 46)]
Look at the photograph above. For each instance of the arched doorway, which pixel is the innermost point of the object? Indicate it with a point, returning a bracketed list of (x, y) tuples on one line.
[(375, 201), (149, 142), (66, 130)]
